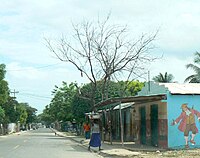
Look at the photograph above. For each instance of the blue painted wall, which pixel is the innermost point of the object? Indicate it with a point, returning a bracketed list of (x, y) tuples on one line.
[(174, 102)]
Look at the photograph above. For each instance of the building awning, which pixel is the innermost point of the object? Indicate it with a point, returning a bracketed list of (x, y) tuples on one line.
[(123, 106), (111, 103)]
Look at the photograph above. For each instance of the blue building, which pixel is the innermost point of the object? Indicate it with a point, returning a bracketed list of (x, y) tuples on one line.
[(159, 121), (153, 116)]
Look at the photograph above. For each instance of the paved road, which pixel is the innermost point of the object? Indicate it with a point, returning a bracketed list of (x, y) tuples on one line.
[(41, 143)]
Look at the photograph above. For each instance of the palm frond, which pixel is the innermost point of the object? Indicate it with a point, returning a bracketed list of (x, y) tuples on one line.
[(193, 67), (197, 58), (166, 78)]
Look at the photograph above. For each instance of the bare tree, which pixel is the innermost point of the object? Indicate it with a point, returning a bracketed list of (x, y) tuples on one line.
[(104, 52)]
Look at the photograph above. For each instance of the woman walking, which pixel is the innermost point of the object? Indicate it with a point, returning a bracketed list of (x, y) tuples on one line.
[(86, 128), (95, 140)]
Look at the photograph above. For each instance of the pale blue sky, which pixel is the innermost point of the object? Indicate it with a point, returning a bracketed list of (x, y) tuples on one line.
[(32, 69)]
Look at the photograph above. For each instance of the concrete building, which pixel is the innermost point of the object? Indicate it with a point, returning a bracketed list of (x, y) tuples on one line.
[(148, 117)]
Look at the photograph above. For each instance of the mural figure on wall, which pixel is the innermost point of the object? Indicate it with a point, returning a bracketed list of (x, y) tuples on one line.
[(187, 123)]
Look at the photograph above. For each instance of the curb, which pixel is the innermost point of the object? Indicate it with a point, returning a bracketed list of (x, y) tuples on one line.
[(100, 153), (13, 133), (80, 143)]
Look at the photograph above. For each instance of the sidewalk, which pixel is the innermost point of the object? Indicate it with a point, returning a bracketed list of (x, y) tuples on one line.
[(116, 149), (10, 134)]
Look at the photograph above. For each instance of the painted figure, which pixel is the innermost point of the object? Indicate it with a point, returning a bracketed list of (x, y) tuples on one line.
[(187, 123)]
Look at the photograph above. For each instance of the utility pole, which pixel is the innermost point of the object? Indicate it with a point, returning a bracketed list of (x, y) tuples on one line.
[(14, 92)]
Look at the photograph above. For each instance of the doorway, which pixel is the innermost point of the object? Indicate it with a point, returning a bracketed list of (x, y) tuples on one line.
[(143, 125), (154, 125), (124, 124)]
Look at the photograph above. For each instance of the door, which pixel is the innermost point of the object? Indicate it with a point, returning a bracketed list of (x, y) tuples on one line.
[(125, 129), (143, 125), (154, 125)]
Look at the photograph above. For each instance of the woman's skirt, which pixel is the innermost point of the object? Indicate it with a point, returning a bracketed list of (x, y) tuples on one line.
[(95, 140)]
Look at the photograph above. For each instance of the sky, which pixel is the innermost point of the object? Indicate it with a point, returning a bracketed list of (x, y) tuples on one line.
[(33, 71)]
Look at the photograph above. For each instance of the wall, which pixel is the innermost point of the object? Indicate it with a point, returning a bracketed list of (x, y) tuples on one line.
[(152, 88), (162, 123), (12, 127), (126, 119), (116, 127), (176, 137)]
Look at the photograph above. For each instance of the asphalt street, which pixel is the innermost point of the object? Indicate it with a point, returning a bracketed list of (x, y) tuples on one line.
[(41, 143)]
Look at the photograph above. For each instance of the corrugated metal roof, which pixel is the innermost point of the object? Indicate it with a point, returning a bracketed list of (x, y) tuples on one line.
[(185, 88), (111, 103), (123, 106)]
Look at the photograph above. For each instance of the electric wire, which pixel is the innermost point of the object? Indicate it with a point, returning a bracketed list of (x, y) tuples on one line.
[(27, 69), (35, 96)]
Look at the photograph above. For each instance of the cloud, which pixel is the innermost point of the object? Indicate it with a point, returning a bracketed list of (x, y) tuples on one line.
[(172, 65), (36, 83), (24, 24), (17, 71)]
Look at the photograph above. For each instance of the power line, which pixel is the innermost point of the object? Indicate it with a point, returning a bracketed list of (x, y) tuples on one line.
[(40, 67), (35, 95)]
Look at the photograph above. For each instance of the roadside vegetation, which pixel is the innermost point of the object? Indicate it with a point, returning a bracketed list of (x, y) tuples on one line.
[(11, 111), (72, 102)]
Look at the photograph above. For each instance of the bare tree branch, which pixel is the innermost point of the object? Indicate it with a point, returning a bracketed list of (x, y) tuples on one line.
[(103, 51)]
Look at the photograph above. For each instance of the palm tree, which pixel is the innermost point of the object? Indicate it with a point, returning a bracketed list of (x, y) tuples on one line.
[(163, 78), (195, 78)]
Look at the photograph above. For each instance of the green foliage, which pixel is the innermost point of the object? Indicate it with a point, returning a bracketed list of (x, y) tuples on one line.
[(79, 107), (2, 71), (15, 112), (22, 113), (31, 113), (46, 116), (60, 107), (195, 78), (10, 110), (4, 90), (2, 114), (113, 89), (4, 93), (82, 105), (121, 89), (166, 78), (71, 102), (134, 87)]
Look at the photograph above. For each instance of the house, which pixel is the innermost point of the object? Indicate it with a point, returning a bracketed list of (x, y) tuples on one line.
[(119, 117), (150, 117), (111, 122)]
